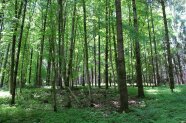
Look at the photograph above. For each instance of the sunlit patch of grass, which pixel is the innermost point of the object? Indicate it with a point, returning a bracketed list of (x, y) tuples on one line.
[(158, 106), (4, 94), (152, 91)]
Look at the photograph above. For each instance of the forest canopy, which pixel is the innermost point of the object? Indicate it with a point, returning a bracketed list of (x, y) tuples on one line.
[(76, 50)]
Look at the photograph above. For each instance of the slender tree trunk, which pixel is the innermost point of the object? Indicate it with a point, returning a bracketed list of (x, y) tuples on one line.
[(13, 91), (60, 30), (121, 60), (112, 65), (4, 66), (48, 82), (55, 75), (86, 50), (106, 45), (115, 51), (23, 72), (30, 70), (12, 84), (170, 66), (63, 56), (151, 51), (95, 59), (137, 52), (71, 46), (176, 71), (180, 68), (155, 48), (99, 56), (39, 77), (53, 51), (2, 19)]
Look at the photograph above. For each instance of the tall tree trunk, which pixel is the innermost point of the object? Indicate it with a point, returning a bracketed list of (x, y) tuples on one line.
[(170, 66), (19, 46), (53, 50), (4, 66), (151, 50), (106, 45), (137, 52), (48, 82), (99, 56), (86, 50), (95, 58), (121, 60), (14, 73), (63, 56), (2, 19), (71, 46), (39, 77), (176, 70), (23, 72), (60, 30), (115, 50), (30, 69), (131, 45), (155, 48), (180, 68)]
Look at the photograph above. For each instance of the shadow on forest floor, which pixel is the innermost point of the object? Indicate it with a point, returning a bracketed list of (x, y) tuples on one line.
[(34, 106)]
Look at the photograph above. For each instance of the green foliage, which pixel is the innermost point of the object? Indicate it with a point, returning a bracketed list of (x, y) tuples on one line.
[(159, 106)]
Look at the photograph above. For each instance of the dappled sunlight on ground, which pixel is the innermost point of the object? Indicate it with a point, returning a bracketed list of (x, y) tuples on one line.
[(152, 91), (7, 107), (163, 90), (4, 94), (177, 90)]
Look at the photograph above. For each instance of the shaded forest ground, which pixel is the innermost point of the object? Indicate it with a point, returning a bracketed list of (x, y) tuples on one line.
[(34, 106)]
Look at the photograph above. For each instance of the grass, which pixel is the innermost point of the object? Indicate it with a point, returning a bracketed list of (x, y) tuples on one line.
[(34, 106)]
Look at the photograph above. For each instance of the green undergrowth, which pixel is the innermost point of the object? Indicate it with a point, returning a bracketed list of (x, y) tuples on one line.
[(34, 106)]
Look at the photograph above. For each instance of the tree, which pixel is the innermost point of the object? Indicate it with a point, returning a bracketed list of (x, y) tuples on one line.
[(169, 57), (39, 77), (106, 44), (13, 75), (86, 50), (137, 52), (121, 60)]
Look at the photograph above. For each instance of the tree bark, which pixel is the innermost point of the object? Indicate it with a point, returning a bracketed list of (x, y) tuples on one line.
[(30, 69), (99, 56), (121, 60), (155, 49), (137, 52), (14, 73), (4, 66), (86, 50), (170, 65), (39, 77), (106, 45)]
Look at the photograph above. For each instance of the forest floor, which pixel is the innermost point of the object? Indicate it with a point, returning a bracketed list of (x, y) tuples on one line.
[(34, 106)]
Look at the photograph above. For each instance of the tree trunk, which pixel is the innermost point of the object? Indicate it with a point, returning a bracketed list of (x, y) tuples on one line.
[(170, 66), (151, 51), (121, 60), (106, 45), (39, 77), (155, 48), (180, 68), (4, 66), (86, 50), (99, 56), (137, 52), (30, 70), (69, 74), (14, 73)]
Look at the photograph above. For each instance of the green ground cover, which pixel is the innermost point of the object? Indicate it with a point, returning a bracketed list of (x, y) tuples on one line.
[(34, 106)]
